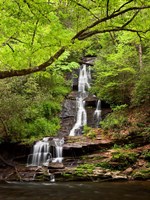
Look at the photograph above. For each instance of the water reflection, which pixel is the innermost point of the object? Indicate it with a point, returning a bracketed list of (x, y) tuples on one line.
[(75, 191)]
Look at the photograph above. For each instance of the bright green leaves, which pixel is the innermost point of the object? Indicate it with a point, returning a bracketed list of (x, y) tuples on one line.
[(31, 33), (116, 69)]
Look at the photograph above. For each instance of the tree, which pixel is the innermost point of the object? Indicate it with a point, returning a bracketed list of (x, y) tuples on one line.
[(30, 106), (39, 32)]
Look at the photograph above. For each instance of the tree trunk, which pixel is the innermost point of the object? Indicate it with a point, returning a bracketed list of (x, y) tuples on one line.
[(140, 56)]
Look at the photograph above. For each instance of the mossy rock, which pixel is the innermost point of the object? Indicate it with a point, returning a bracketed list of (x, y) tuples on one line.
[(142, 174)]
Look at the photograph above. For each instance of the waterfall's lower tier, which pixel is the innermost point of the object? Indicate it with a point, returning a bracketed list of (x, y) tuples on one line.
[(46, 151)]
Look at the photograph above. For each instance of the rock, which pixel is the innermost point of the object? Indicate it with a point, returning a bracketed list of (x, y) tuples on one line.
[(119, 177), (128, 171), (56, 165), (89, 60)]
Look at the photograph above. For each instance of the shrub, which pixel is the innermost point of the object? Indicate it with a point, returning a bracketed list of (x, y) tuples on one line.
[(141, 92), (125, 157), (114, 121)]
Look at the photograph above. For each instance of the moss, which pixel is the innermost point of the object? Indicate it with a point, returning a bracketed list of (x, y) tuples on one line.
[(124, 156), (84, 170), (142, 174), (65, 174), (105, 165)]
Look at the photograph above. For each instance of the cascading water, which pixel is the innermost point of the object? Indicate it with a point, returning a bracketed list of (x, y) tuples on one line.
[(97, 113), (41, 152), (58, 143), (83, 86)]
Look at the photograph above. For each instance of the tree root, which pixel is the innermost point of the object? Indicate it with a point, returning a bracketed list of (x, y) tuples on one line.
[(12, 166)]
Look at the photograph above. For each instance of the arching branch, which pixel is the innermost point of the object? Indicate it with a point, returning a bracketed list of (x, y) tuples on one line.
[(105, 19), (81, 35), (11, 73), (95, 32)]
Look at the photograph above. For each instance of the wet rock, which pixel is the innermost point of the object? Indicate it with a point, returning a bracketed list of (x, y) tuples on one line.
[(89, 60), (56, 165), (69, 108), (91, 100), (119, 177)]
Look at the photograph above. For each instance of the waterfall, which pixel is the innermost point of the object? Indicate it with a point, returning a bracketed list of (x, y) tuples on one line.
[(41, 154), (97, 113), (83, 86), (58, 143)]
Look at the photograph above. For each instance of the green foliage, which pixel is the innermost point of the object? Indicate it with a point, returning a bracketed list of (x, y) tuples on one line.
[(142, 174), (125, 157), (125, 147), (115, 70), (89, 132), (86, 129), (141, 92), (104, 164), (32, 32), (146, 155), (84, 169), (30, 106), (115, 120)]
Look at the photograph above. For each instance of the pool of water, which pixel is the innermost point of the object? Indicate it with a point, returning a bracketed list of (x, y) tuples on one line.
[(75, 191)]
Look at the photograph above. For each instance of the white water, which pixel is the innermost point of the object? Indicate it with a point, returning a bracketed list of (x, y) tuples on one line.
[(41, 152), (58, 143), (97, 113), (83, 86)]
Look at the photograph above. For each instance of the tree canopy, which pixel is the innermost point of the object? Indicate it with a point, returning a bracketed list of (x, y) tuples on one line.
[(34, 34)]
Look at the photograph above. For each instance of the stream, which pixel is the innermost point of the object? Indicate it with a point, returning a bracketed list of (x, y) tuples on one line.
[(136, 190)]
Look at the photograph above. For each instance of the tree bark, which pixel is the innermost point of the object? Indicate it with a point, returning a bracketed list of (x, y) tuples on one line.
[(22, 72), (140, 56)]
